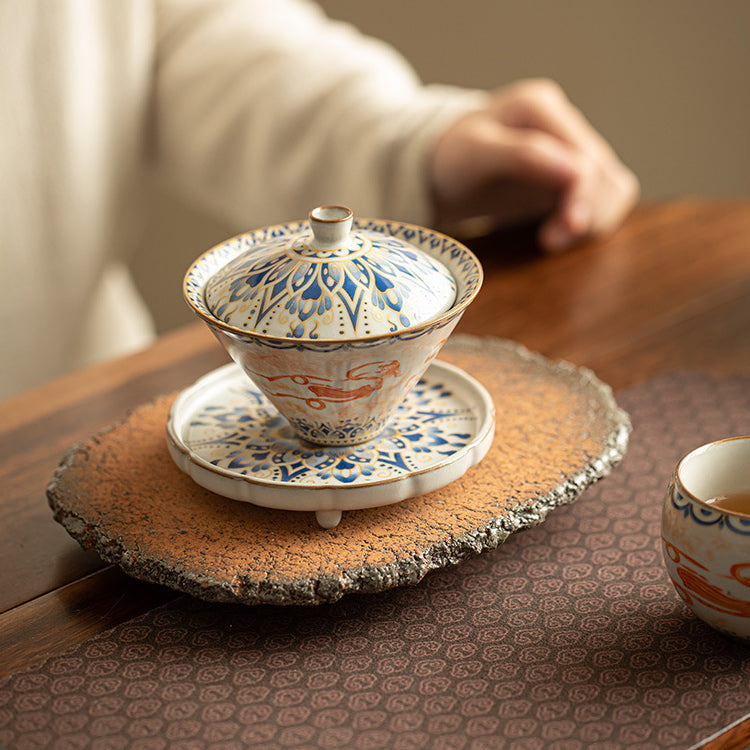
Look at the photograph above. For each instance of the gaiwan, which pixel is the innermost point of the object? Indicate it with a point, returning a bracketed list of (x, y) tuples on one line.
[(335, 319)]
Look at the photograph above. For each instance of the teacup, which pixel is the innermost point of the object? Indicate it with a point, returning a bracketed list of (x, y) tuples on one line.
[(335, 329), (706, 533)]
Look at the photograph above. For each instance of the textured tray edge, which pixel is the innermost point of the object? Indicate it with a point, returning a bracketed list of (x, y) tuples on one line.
[(367, 579)]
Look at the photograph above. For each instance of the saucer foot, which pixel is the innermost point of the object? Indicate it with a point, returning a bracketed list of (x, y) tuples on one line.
[(328, 519)]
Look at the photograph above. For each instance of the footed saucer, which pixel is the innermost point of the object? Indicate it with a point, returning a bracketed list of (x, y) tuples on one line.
[(225, 434)]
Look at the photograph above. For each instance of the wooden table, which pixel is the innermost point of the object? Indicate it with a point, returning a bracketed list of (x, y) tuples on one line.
[(670, 290)]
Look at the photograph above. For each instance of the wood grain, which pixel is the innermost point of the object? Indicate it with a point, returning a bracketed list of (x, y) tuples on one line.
[(734, 737), (670, 290), (37, 556), (657, 282), (72, 613)]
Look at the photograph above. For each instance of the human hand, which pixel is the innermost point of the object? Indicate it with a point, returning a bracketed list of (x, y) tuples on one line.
[(530, 154)]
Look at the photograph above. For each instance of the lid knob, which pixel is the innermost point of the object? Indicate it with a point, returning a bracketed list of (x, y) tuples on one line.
[(331, 226)]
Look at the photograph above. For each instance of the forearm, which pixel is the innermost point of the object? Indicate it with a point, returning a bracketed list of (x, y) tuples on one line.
[(264, 109)]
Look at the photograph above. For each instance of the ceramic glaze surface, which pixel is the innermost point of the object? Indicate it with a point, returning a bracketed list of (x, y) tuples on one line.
[(334, 389), (707, 550), (330, 284), (340, 394), (230, 439)]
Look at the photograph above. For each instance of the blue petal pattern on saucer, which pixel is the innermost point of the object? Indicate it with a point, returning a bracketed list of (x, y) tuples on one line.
[(228, 438), (247, 436)]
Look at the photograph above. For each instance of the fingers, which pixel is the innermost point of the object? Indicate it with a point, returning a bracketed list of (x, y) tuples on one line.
[(530, 153), (565, 228), (478, 159), (541, 104), (601, 193), (532, 156), (595, 203)]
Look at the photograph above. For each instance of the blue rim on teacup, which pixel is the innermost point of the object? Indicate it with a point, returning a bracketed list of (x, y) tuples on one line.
[(692, 455)]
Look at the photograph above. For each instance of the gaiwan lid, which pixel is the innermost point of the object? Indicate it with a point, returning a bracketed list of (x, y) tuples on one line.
[(330, 284)]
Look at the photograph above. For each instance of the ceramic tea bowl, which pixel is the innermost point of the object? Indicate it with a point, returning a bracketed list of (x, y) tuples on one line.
[(334, 319), (706, 547)]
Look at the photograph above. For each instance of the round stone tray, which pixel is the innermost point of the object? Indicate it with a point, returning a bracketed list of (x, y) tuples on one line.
[(558, 430)]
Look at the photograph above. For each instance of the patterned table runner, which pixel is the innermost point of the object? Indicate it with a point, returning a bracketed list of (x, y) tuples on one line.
[(568, 636)]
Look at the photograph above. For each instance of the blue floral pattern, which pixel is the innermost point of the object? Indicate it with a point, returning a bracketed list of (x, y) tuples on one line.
[(700, 514), (248, 437), (376, 284), (310, 291)]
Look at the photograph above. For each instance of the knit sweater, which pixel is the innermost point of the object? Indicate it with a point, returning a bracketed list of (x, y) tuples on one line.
[(255, 110)]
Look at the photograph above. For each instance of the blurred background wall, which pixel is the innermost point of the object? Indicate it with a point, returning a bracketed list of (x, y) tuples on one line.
[(666, 81)]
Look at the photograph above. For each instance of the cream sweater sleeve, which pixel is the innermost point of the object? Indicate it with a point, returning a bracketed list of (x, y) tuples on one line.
[(266, 108)]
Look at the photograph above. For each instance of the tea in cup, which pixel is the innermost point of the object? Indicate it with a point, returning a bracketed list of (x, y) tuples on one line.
[(706, 533)]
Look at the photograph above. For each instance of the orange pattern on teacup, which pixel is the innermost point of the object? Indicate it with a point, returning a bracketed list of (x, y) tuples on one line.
[(741, 572), (319, 391), (694, 585)]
